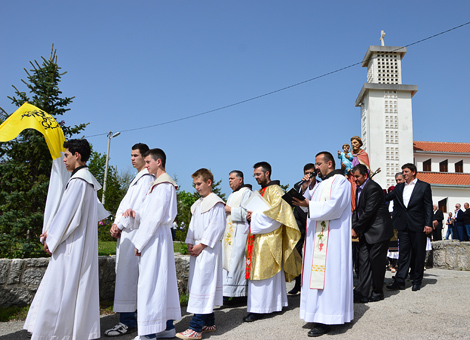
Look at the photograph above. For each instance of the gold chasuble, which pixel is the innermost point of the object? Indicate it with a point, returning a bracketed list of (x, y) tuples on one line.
[(267, 253)]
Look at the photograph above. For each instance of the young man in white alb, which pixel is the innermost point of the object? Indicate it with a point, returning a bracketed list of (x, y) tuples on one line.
[(66, 305), (157, 289), (124, 229), (205, 232)]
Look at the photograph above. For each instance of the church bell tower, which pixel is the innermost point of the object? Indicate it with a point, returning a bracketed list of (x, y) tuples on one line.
[(386, 112)]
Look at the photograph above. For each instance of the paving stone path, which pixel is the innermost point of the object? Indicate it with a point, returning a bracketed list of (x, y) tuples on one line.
[(440, 310)]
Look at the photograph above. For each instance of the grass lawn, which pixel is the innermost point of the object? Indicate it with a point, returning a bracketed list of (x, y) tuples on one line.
[(13, 313), (107, 248)]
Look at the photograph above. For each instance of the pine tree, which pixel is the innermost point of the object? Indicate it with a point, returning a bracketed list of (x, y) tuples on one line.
[(25, 162)]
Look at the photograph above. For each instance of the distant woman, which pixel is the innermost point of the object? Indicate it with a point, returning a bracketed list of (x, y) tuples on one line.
[(450, 227)]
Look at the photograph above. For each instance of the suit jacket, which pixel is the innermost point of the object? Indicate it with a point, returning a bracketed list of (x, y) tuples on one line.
[(438, 216), (419, 212), (459, 217), (466, 220), (371, 218)]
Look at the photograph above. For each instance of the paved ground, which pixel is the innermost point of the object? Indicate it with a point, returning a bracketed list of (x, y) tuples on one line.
[(440, 310)]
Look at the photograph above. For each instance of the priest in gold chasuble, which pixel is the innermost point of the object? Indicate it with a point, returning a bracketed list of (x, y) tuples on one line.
[(271, 257)]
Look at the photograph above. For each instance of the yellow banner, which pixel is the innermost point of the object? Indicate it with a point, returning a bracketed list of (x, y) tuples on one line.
[(30, 117)]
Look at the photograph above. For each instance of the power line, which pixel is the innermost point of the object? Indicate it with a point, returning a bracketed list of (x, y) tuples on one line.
[(278, 90)]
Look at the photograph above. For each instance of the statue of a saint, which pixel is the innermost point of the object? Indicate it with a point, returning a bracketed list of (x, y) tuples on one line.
[(359, 155)]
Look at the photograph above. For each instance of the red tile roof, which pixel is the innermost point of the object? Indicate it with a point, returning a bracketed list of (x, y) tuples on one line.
[(441, 147), (444, 178)]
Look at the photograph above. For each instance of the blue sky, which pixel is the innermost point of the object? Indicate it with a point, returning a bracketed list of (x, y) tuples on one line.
[(132, 64)]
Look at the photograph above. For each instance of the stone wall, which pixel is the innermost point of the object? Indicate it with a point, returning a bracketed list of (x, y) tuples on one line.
[(20, 278), (451, 255)]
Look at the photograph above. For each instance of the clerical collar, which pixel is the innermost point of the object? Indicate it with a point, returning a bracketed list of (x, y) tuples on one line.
[(276, 182), (76, 169), (331, 174), (249, 186)]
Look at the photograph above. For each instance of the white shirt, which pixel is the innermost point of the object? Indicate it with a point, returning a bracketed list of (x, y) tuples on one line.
[(407, 191)]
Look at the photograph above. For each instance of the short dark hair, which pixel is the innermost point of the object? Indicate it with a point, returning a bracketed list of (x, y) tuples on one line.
[(410, 166), (265, 166), (237, 172), (157, 154), (309, 166), (362, 169), (143, 148), (79, 145), (327, 157), (205, 174)]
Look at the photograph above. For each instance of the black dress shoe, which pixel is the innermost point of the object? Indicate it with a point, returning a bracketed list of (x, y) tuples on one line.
[(376, 297), (252, 317), (293, 291), (416, 287), (360, 299), (396, 286), (318, 330)]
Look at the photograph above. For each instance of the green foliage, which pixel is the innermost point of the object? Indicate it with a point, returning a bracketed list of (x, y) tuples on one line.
[(185, 201), (103, 230), (285, 187), (106, 248), (184, 298), (180, 247), (13, 313), (25, 163), (106, 307)]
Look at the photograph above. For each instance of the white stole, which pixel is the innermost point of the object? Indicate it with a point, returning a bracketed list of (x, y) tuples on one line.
[(230, 230), (322, 229)]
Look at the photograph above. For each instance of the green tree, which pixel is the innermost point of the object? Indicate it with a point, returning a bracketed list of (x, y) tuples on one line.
[(25, 162), (285, 187)]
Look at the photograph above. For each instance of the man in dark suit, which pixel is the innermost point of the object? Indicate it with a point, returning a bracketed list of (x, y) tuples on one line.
[(466, 220), (300, 214), (412, 217), (459, 217), (437, 219), (372, 224)]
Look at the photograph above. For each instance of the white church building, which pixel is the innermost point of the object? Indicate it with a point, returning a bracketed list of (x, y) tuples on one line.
[(387, 132)]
